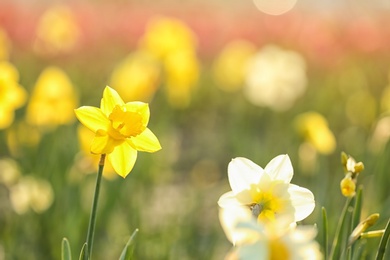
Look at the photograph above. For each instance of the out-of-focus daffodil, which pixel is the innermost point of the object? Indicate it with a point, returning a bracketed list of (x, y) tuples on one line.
[(137, 77), (174, 45), (314, 127), (89, 160), (257, 241), (5, 45), (231, 64), (120, 130), (57, 31), (267, 193), (275, 78), (53, 99), (182, 73), (165, 35), (12, 95)]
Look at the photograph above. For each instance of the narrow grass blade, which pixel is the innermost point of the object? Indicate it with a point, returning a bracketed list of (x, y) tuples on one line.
[(127, 252), (325, 232), (382, 245), (83, 256), (65, 250), (336, 245)]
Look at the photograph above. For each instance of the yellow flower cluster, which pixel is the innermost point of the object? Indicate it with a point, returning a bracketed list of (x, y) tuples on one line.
[(12, 95), (166, 51), (351, 170)]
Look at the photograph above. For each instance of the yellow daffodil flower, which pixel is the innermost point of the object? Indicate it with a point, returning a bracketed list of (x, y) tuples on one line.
[(57, 31), (120, 130), (53, 99), (230, 66), (267, 193), (137, 77), (254, 240), (314, 127), (12, 95)]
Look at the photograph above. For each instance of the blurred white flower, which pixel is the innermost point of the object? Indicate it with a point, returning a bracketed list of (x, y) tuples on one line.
[(267, 193), (257, 241), (275, 78), (33, 193)]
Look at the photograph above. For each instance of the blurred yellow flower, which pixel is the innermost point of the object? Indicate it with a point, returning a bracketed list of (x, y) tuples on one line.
[(380, 135), (230, 66), (165, 35), (120, 130), (5, 45), (275, 78), (267, 193), (137, 77), (53, 99), (57, 31), (12, 95), (174, 45), (314, 127), (254, 240), (182, 73), (89, 160)]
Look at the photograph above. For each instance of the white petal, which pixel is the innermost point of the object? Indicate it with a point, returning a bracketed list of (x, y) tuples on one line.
[(280, 168), (302, 200), (242, 173), (256, 251), (228, 199), (230, 217)]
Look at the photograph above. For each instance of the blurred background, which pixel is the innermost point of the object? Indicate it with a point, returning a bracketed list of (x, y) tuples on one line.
[(223, 79)]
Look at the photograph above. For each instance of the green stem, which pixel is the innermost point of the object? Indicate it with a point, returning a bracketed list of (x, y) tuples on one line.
[(335, 252), (92, 219)]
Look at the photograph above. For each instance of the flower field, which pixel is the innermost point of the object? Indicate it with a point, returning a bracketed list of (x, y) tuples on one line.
[(208, 130)]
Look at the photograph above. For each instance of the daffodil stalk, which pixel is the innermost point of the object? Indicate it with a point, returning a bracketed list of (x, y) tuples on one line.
[(92, 219)]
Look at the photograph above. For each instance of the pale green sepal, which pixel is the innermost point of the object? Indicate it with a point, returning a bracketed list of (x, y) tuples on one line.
[(127, 253), (65, 250), (83, 253)]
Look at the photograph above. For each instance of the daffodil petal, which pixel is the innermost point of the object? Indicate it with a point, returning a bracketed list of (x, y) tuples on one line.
[(230, 217), (302, 200), (103, 143), (141, 108), (110, 99), (229, 199), (123, 159), (93, 118), (280, 168), (253, 251), (145, 142), (242, 173)]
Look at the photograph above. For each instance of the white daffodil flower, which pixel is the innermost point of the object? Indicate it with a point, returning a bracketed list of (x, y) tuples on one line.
[(255, 241), (267, 193)]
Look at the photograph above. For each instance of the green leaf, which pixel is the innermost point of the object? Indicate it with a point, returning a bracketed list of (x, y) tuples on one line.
[(382, 245), (83, 255), (325, 232), (127, 252), (65, 250)]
